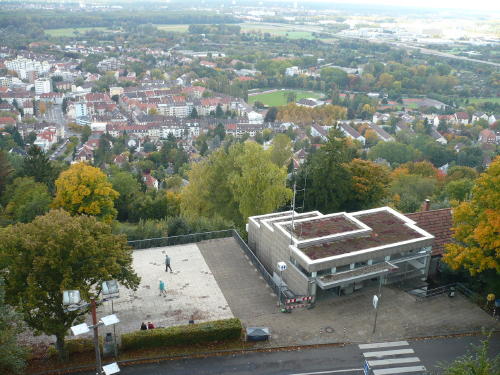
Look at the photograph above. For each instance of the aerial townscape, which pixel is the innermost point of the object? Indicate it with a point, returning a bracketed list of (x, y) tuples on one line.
[(235, 187)]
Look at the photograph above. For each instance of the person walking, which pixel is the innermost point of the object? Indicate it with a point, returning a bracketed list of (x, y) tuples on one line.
[(163, 292), (167, 263)]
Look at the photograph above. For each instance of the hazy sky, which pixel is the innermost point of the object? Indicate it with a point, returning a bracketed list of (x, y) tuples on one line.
[(482, 5)]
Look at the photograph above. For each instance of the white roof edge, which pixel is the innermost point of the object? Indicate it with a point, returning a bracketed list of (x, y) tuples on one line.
[(268, 222), (253, 219), (354, 253)]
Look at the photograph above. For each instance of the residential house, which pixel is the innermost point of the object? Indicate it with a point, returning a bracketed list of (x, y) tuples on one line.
[(438, 137), (381, 133), (350, 132), (487, 136), (479, 116), (150, 181), (46, 138), (461, 118), (255, 117), (319, 131)]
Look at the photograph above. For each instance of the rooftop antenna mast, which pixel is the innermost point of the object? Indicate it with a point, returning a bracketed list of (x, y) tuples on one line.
[(294, 204)]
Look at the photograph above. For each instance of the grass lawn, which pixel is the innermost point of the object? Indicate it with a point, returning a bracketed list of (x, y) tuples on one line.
[(482, 100), (71, 31), (278, 98), (173, 28), (287, 31)]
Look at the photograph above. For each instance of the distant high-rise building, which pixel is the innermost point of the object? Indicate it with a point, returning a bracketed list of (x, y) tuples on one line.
[(43, 86)]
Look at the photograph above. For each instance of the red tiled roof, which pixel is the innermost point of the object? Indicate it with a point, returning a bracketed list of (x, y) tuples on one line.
[(438, 223)]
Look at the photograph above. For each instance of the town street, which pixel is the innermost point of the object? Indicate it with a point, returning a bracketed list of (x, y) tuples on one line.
[(399, 357)]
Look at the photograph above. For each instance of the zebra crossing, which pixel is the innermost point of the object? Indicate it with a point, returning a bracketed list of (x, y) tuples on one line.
[(391, 358)]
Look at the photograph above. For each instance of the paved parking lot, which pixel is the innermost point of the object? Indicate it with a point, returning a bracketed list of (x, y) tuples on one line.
[(346, 318)]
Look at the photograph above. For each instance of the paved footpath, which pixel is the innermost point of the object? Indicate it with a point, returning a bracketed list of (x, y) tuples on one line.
[(342, 319)]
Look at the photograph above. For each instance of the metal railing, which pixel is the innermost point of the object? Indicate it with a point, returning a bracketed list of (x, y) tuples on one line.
[(179, 240), (424, 293), (197, 237), (256, 262)]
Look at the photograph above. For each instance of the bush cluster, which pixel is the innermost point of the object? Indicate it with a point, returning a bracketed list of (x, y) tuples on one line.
[(76, 346), (218, 330)]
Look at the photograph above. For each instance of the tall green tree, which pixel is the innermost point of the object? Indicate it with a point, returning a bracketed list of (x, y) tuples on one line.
[(5, 170), (281, 150), (25, 199), (37, 165), (12, 355), (235, 184), (369, 184), (58, 252), (324, 177), (128, 187)]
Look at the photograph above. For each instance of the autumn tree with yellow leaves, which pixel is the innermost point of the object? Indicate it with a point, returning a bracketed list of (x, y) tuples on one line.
[(83, 189), (477, 227)]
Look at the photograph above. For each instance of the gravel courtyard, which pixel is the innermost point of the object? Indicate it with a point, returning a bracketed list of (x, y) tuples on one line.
[(191, 291)]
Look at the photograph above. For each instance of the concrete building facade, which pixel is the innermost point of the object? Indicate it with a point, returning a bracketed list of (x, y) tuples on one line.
[(336, 254)]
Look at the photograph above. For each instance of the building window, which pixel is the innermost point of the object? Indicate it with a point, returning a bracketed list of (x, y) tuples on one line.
[(360, 264), (328, 271), (343, 268), (301, 269)]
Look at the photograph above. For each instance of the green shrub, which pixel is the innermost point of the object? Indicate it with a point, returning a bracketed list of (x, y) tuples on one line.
[(218, 330), (76, 346)]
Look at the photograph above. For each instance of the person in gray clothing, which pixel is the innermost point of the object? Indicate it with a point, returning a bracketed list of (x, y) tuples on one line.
[(167, 263)]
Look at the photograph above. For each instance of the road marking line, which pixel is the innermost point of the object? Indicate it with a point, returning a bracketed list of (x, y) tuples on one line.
[(398, 370), (328, 372), (388, 352), (383, 344), (381, 362)]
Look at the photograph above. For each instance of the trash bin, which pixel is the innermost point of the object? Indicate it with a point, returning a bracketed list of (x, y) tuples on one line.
[(109, 345), (451, 293)]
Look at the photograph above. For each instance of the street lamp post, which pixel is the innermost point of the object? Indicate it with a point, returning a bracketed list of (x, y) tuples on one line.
[(96, 336), (72, 301)]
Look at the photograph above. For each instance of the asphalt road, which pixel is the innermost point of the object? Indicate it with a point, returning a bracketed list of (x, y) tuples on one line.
[(346, 360)]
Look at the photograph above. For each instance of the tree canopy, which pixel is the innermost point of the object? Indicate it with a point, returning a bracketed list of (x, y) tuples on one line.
[(12, 355), (83, 189), (59, 252), (235, 184), (477, 226)]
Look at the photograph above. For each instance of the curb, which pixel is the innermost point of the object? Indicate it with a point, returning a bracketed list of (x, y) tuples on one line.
[(138, 361)]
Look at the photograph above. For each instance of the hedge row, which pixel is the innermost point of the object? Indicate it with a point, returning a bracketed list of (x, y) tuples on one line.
[(218, 330), (73, 346)]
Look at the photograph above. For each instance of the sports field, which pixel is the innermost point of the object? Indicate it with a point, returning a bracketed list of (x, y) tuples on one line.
[(288, 31), (174, 28), (495, 100), (73, 30), (279, 97)]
